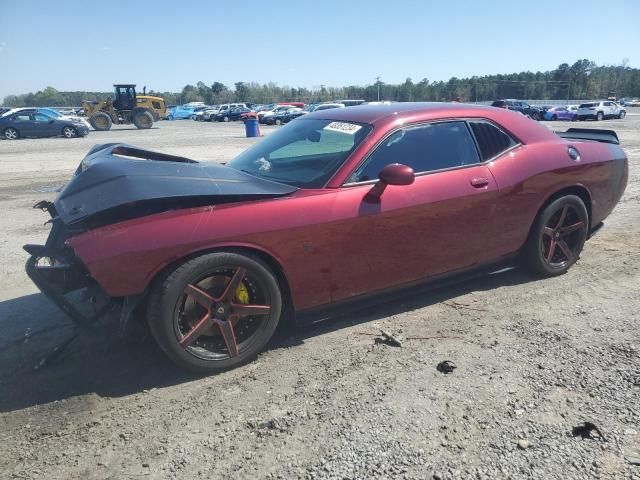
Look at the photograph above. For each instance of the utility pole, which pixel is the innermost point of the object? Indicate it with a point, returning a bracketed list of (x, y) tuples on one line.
[(378, 83)]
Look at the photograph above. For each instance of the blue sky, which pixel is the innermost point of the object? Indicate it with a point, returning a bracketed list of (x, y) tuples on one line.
[(86, 45)]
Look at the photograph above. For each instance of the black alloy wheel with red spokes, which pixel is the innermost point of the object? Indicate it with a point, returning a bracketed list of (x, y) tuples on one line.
[(557, 237), (215, 311)]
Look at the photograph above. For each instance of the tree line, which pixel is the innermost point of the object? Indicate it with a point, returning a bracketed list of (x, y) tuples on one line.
[(582, 80)]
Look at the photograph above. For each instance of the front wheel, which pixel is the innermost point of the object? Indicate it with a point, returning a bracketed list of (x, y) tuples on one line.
[(622, 114), (69, 132), (535, 116), (11, 133), (143, 120), (557, 236), (554, 117), (215, 312), (600, 116)]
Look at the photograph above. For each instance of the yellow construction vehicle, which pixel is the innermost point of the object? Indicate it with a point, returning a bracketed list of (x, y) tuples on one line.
[(124, 108)]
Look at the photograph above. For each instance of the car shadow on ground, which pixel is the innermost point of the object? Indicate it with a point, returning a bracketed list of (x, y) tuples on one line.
[(110, 366)]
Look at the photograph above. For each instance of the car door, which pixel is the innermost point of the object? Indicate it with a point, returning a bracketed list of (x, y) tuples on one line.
[(46, 126), (441, 223), (23, 122), (615, 109)]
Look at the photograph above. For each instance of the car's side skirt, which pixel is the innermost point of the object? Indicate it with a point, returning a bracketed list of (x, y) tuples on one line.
[(399, 292)]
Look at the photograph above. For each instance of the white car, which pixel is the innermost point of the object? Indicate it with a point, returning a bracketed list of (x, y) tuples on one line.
[(327, 106), (600, 110)]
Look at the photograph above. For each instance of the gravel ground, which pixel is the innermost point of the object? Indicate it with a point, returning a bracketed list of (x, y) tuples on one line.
[(535, 358)]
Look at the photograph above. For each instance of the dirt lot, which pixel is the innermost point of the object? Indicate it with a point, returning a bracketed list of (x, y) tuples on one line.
[(534, 359)]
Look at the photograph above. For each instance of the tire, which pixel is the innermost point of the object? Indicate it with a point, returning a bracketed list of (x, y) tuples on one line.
[(69, 132), (216, 337), (535, 116), (622, 114), (225, 119), (554, 117), (143, 120), (599, 116), (574, 118), (278, 122), (557, 236), (169, 117), (11, 133), (101, 121)]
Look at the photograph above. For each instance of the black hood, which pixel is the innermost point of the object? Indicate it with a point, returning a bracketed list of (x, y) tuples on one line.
[(117, 176)]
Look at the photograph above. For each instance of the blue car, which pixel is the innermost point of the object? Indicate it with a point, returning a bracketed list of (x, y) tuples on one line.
[(28, 122), (182, 111)]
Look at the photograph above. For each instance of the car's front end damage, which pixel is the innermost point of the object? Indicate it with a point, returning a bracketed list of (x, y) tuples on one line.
[(116, 183)]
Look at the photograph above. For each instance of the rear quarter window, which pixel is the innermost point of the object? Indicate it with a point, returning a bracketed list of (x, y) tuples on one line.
[(492, 141)]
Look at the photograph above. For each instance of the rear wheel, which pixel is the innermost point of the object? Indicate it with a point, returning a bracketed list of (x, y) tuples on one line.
[(215, 311), (600, 116), (557, 236), (535, 116), (225, 119), (11, 133), (143, 119), (100, 121), (69, 132), (278, 121), (554, 117)]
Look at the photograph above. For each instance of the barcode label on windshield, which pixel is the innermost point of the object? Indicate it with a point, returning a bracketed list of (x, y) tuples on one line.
[(343, 127)]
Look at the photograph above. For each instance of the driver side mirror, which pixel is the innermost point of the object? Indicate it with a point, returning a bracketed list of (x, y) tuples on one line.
[(393, 174)]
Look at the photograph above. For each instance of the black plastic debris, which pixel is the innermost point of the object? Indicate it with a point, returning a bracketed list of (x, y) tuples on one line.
[(388, 339), (446, 366)]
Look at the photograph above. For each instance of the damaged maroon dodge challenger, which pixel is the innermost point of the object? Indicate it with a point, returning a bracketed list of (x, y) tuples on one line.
[(338, 206)]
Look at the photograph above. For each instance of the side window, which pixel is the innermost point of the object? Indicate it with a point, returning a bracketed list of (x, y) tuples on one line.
[(424, 148), (607, 104), (491, 140), (39, 117), (22, 117)]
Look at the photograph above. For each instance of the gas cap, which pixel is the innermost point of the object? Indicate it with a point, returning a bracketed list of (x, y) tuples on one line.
[(574, 153)]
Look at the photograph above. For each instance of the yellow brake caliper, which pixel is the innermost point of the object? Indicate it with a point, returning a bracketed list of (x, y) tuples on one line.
[(242, 294)]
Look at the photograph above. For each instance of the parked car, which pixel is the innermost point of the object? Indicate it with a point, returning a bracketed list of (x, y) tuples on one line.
[(181, 112), (284, 116), (230, 114), (600, 110), (198, 112), (530, 111), (28, 122), (263, 115), (327, 106), (567, 112), (634, 102), (335, 208)]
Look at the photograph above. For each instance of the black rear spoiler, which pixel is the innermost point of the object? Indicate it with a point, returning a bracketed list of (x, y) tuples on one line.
[(593, 134)]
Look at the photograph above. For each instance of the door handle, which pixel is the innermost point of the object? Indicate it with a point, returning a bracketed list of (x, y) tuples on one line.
[(479, 182)]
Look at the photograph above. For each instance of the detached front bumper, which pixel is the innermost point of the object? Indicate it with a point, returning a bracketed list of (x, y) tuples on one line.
[(57, 272)]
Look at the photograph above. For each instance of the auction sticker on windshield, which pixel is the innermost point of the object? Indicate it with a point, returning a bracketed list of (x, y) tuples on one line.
[(344, 127)]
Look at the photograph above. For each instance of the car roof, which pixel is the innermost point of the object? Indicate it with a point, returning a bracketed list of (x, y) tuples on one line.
[(386, 116), (376, 113)]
